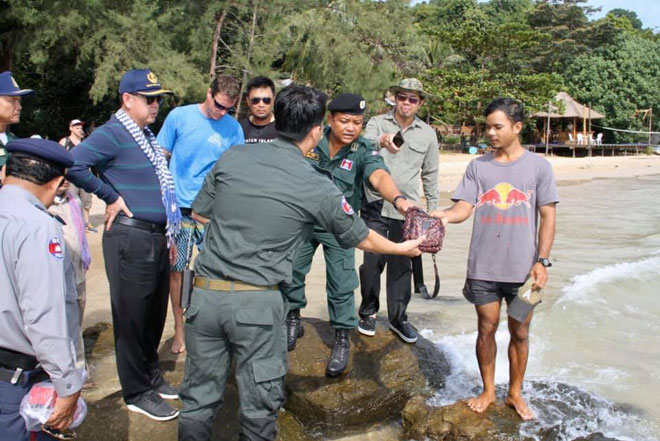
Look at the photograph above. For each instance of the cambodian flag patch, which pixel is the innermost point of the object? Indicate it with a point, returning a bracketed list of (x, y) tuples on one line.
[(346, 206), (55, 248), (346, 164)]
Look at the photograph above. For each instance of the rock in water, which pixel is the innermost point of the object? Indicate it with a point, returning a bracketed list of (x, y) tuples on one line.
[(383, 374)]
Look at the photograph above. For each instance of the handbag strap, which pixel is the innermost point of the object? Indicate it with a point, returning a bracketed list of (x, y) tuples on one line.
[(419, 278)]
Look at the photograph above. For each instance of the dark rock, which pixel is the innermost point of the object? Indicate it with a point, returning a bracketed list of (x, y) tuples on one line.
[(595, 437), (383, 374)]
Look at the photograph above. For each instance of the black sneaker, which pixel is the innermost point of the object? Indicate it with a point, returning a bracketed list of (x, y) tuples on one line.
[(167, 391), (153, 406), (405, 331), (294, 329), (367, 326)]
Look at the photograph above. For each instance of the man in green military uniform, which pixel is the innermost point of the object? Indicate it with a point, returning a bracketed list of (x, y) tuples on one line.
[(351, 162), (260, 203), (10, 113)]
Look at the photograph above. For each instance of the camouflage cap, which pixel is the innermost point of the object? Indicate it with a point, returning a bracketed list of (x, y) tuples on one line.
[(410, 84)]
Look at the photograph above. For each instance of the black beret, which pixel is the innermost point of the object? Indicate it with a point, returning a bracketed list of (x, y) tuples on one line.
[(42, 148), (348, 103)]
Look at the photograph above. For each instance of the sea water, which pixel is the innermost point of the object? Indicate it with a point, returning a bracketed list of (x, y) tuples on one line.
[(594, 362)]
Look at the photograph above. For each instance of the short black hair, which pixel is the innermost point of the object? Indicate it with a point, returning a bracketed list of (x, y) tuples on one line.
[(259, 82), (298, 109), (513, 109), (36, 170)]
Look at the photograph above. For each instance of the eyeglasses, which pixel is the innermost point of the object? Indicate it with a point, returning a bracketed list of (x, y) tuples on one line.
[(221, 107), (257, 99), (410, 99), (150, 99)]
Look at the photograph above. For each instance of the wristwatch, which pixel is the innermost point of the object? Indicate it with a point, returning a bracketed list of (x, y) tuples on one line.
[(544, 261), (397, 198)]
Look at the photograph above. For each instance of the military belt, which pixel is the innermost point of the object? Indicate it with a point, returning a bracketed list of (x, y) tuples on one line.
[(11, 360), (229, 285), (22, 378)]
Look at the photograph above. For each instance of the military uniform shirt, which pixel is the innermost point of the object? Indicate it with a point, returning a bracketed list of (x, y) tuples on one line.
[(263, 201), (38, 309), (417, 157), (350, 168)]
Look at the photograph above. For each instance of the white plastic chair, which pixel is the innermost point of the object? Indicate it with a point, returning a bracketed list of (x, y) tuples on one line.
[(580, 139), (599, 139)]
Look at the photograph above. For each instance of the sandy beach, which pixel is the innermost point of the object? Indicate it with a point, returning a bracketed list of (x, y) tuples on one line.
[(568, 171)]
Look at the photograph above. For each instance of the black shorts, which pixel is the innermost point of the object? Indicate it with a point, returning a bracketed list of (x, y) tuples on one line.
[(482, 292)]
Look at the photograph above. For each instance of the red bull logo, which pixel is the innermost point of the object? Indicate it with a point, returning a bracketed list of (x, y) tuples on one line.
[(504, 196)]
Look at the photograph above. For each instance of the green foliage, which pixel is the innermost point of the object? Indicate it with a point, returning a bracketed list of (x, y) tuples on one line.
[(466, 52), (619, 79)]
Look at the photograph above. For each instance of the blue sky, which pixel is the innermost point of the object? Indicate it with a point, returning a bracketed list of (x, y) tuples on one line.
[(647, 10)]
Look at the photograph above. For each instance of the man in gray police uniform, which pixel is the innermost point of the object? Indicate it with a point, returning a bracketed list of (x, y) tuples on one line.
[(254, 230), (37, 289)]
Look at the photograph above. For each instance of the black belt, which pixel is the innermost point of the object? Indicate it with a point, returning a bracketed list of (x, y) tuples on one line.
[(142, 225), (185, 211), (22, 378), (11, 360)]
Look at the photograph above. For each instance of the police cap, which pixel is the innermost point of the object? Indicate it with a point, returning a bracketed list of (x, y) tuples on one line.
[(43, 149), (348, 103)]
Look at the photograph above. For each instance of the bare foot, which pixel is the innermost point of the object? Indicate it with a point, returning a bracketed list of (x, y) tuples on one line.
[(481, 403), (519, 405), (179, 344)]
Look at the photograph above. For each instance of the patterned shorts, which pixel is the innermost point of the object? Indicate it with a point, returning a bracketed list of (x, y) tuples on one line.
[(190, 233)]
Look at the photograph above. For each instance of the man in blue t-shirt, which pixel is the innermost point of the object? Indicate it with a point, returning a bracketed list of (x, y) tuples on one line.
[(194, 137)]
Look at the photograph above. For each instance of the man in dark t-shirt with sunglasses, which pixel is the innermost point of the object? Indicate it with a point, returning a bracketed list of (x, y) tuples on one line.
[(259, 126)]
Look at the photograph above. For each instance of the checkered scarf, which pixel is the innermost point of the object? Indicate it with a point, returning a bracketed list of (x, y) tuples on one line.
[(154, 153)]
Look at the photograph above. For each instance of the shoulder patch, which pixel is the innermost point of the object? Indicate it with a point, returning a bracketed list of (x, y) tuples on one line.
[(346, 164), (55, 248), (312, 154), (346, 206)]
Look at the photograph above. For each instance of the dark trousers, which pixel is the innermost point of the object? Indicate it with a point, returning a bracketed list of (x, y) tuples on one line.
[(137, 266), (12, 424), (399, 269)]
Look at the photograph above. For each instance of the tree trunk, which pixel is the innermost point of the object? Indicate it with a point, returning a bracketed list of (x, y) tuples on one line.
[(220, 19), (249, 55)]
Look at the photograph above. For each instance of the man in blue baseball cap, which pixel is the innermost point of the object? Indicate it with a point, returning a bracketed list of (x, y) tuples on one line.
[(10, 111), (39, 324), (141, 220)]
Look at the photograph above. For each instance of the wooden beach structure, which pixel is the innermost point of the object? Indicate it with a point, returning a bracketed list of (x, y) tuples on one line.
[(575, 112)]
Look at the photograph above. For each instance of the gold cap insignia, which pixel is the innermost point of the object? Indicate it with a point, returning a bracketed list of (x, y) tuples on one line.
[(151, 77), (363, 104)]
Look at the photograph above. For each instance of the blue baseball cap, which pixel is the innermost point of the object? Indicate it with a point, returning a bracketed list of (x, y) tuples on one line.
[(9, 86), (143, 82), (42, 149)]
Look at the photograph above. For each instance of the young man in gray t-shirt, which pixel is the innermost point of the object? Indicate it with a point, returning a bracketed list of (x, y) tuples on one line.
[(509, 190)]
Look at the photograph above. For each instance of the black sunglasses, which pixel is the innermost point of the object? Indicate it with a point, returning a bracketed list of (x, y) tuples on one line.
[(257, 99), (150, 99), (221, 107)]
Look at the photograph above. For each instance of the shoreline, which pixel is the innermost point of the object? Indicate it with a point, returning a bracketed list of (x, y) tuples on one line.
[(568, 172)]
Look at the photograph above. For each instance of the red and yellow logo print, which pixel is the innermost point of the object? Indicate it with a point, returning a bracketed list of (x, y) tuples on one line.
[(504, 196)]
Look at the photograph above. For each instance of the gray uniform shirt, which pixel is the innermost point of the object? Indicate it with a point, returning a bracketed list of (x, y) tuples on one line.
[(263, 201), (506, 197), (417, 158), (38, 308)]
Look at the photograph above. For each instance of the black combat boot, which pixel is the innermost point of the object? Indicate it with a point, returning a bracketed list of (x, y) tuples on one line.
[(294, 329), (339, 356)]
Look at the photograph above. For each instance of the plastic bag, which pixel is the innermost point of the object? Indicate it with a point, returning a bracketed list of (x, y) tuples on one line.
[(38, 405)]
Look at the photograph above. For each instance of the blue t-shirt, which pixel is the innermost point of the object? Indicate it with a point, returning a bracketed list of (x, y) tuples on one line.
[(195, 142)]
